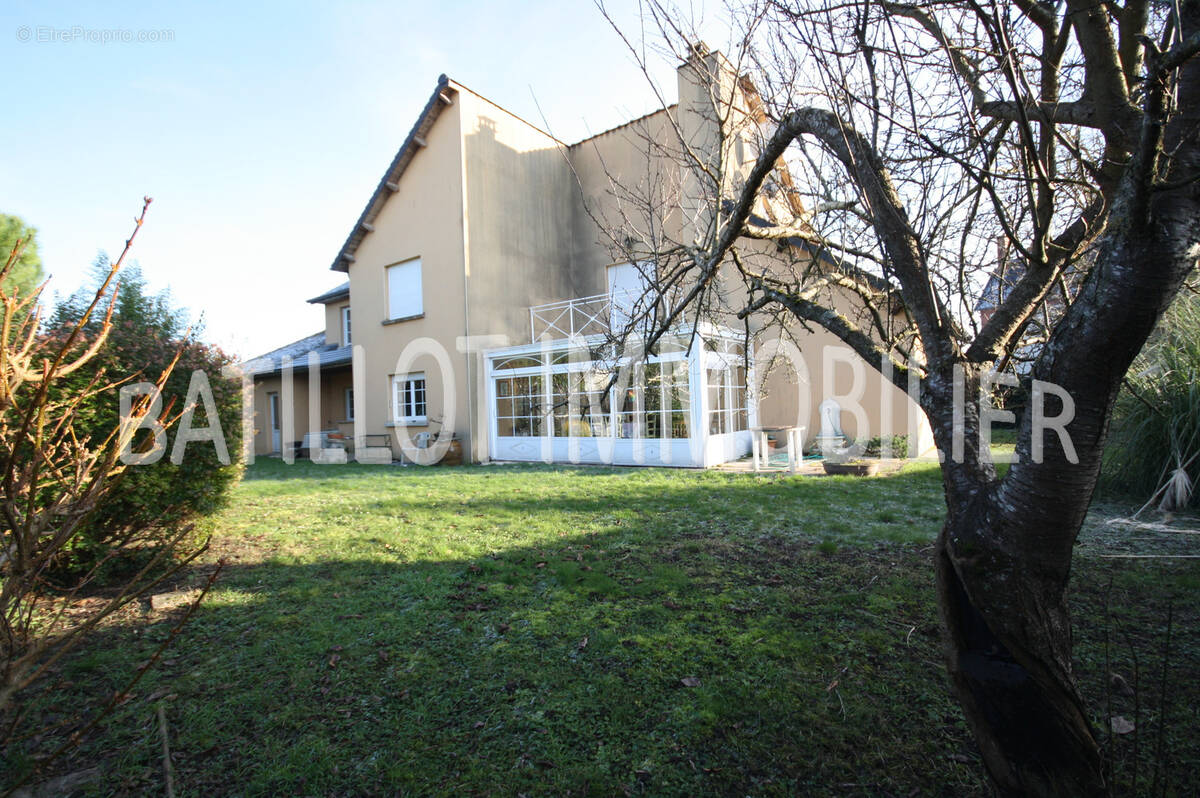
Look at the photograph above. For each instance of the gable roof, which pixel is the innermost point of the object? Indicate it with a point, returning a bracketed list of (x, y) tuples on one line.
[(442, 96), (643, 118)]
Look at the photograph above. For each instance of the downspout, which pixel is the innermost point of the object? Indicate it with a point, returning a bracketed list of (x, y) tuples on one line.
[(466, 245)]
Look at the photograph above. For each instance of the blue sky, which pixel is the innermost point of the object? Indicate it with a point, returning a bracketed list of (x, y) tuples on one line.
[(260, 129)]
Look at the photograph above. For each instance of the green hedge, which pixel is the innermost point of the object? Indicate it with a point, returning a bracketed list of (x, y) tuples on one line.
[(147, 333)]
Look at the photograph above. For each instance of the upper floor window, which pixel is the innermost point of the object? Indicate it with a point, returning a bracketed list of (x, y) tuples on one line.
[(404, 290), (627, 284), (346, 326)]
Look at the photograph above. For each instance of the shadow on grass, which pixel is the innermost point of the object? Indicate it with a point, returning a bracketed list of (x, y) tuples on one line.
[(674, 643)]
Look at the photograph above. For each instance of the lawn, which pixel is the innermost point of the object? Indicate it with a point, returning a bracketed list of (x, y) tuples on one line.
[(535, 630)]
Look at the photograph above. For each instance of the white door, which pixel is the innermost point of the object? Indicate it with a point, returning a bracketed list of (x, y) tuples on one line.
[(273, 415)]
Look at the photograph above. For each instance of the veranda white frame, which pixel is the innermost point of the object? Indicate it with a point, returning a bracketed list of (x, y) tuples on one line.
[(699, 450)]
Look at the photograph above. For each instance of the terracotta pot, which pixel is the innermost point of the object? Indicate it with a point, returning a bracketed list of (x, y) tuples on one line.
[(453, 455)]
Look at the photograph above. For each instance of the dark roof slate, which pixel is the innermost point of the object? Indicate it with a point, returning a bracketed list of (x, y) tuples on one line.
[(332, 295), (272, 362)]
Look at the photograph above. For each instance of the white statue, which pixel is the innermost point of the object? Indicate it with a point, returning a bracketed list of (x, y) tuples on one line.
[(830, 437)]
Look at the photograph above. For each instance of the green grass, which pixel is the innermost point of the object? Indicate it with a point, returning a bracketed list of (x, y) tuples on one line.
[(554, 631)]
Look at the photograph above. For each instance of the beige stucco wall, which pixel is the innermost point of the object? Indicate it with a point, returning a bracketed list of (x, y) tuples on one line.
[(489, 184), (333, 322), (625, 185), (423, 219), (791, 396), (791, 393), (263, 387), (483, 205), (519, 193)]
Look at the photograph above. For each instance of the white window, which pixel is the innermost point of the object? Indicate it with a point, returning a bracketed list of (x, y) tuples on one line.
[(346, 326), (349, 396), (408, 399), (626, 285), (404, 290)]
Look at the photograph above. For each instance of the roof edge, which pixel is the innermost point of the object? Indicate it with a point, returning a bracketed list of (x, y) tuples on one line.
[(285, 346), (433, 109), (521, 119), (623, 125), (332, 295)]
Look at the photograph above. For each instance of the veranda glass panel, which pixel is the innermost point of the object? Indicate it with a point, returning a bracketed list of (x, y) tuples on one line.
[(631, 421), (739, 416), (519, 408), (656, 404), (718, 402), (524, 362)]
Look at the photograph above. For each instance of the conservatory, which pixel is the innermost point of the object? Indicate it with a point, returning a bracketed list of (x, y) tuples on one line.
[(578, 400)]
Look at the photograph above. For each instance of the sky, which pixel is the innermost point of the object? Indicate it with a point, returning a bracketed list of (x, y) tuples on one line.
[(261, 128)]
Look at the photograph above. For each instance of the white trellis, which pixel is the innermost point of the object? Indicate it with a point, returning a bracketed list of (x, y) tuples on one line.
[(571, 318)]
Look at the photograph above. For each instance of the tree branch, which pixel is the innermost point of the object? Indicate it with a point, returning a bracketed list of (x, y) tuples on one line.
[(803, 232), (837, 324), (887, 214), (1104, 79), (1131, 28), (1178, 55), (1025, 297), (1119, 123)]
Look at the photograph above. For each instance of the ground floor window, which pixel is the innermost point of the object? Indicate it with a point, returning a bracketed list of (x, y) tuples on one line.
[(579, 404), (349, 400), (408, 399)]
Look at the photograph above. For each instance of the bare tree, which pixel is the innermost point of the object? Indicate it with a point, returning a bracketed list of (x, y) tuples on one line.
[(908, 152), (53, 477)]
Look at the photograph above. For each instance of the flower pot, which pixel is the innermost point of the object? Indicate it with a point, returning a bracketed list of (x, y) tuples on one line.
[(850, 469), (453, 455)]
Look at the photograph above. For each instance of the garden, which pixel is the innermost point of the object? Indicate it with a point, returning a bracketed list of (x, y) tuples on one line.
[(503, 630)]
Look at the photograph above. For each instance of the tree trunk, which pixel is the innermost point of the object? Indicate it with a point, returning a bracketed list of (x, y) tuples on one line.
[(1002, 595), (1018, 695), (1004, 555)]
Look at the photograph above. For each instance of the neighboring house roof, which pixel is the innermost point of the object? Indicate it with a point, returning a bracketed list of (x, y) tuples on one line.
[(990, 298), (1014, 270), (332, 295), (272, 362), (388, 184)]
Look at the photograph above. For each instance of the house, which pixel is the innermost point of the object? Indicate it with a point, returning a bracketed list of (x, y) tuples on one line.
[(483, 287)]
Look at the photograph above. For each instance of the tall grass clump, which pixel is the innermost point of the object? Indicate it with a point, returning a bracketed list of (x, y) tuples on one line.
[(1154, 443)]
